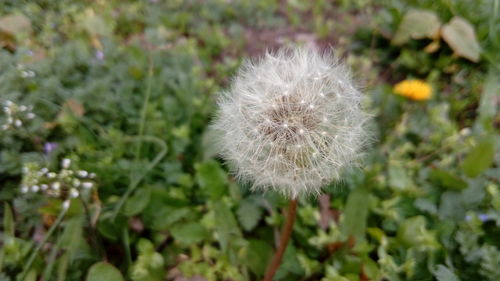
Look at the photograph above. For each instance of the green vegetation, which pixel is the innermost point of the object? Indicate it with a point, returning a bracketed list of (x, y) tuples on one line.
[(125, 90)]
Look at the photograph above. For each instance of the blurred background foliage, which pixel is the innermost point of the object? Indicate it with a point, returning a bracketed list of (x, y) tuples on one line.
[(125, 90)]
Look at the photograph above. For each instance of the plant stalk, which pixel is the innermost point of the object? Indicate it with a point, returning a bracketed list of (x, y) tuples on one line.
[(286, 232)]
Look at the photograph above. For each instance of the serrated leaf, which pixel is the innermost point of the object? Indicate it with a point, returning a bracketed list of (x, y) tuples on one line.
[(417, 24), (189, 233), (480, 157), (249, 214), (226, 226), (103, 271), (443, 273), (460, 35), (356, 213), (211, 178)]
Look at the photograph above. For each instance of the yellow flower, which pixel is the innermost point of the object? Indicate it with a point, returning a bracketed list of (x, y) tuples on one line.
[(414, 89)]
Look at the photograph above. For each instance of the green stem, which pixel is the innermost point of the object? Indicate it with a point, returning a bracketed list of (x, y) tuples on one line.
[(31, 259), (133, 184)]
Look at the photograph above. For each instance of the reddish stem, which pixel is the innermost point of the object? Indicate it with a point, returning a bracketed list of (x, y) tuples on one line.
[(286, 232)]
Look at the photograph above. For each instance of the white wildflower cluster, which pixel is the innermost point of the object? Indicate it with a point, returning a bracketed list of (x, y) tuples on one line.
[(291, 121), (65, 184), (17, 115)]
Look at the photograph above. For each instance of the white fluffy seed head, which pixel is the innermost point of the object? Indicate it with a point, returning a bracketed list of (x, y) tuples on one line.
[(291, 121)]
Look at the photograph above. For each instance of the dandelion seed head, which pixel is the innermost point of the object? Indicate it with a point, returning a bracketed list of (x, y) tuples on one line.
[(297, 139)]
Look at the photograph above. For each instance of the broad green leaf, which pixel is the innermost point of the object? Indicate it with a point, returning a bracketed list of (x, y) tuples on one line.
[(417, 24), (135, 204), (461, 37), (257, 256), (443, 273), (188, 233), (15, 24), (8, 221), (480, 157), (211, 178), (447, 179), (249, 214), (103, 271), (355, 214)]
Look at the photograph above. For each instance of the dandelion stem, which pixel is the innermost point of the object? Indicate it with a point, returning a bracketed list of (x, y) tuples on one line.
[(286, 232)]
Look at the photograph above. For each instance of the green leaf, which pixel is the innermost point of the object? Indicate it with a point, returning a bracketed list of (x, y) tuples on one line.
[(356, 213), (188, 233), (447, 179), (8, 221), (398, 178), (136, 204), (211, 178), (443, 273), (257, 256), (166, 216), (417, 24), (226, 226), (103, 271), (460, 35), (480, 157), (487, 109), (249, 214)]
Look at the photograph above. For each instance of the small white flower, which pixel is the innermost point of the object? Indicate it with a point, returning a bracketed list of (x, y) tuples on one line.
[(66, 204), (92, 175), (291, 121), (24, 189), (44, 187), (18, 123), (76, 182), (56, 185), (23, 108), (51, 175), (35, 188), (65, 163), (30, 115), (82, 173), (87, 185), (73, 193)]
